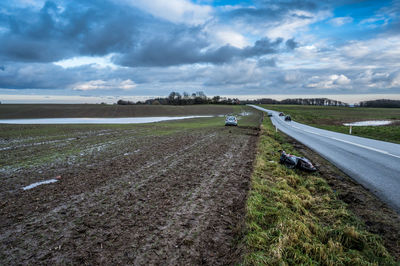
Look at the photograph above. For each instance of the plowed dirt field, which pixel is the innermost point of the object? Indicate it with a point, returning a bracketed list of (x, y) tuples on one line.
[(126, 195)]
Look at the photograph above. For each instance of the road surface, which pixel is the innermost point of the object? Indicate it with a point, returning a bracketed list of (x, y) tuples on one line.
[(374, 164)]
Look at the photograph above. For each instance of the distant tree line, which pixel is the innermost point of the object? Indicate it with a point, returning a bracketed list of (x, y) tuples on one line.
[(175, 98), (299, 101), (381, 103)]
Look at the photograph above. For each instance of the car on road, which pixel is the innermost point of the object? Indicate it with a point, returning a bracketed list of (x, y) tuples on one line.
[(281, 114), (231, 121), (270, 115), (288, 118)]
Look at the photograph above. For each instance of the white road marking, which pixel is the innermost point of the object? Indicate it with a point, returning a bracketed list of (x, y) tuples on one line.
[(349, 142), (365, 147)]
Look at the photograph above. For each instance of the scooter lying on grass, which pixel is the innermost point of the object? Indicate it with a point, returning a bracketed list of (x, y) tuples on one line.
[(291, 162)]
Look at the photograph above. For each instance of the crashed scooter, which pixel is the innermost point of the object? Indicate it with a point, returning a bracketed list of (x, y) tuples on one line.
[(291, 162)]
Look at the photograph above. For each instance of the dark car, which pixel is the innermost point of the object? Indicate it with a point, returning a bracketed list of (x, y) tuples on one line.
[(291, 162), (288, 118), (281, 114)]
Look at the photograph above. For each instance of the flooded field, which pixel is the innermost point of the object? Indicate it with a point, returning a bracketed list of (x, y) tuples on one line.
[(85, 120), (369, 123), (167, 192)]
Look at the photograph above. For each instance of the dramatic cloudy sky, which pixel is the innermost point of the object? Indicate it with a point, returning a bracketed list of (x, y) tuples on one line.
[(121, 48)]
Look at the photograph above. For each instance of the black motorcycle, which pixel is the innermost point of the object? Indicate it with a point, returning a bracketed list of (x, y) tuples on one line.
[(291, 162)]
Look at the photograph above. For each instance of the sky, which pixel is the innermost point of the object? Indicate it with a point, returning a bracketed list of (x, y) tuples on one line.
[(104, 50)]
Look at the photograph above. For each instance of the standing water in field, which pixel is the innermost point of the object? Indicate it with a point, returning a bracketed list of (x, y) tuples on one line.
[(369, 123), (124, 120)]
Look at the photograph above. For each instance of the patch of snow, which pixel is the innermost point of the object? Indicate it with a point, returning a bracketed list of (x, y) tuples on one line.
[(369, 123), (40, 183), (129, 153)]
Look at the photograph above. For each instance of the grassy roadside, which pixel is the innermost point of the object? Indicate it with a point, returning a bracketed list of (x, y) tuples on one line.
[(332, 118), (295, 218)]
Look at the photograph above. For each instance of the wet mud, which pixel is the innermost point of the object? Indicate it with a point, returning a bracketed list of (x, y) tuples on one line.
[(174, 199)]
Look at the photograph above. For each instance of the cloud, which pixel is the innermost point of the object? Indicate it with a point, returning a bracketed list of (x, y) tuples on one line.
[(104, 85), (237, 74), (266, 62), (292, 77), (184, 49), (56, 32), (152, 47), (395, 78), (35, 76), (340, 79), (227, 36), (332, 81), (291, 44), (177, 11), (278, 19), (340, 21), (100, 62)]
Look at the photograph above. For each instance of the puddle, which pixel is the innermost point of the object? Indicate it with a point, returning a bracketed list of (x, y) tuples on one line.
[(40, 183), (245, 113), (369, 123), (129, 153), (123, 120)]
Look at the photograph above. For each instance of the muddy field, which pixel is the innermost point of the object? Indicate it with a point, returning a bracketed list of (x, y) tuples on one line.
[(14, 111), (171, 192)]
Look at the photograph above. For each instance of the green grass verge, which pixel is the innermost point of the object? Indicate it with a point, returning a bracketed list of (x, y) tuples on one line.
[(332, 118), (294, 218)]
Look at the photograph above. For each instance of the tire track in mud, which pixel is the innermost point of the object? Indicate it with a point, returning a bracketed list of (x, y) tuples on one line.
[(88, 200), (189, 219), (184, 207), (105, 151)]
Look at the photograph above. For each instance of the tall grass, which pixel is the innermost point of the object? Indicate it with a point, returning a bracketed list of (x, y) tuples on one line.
[(294, 218)]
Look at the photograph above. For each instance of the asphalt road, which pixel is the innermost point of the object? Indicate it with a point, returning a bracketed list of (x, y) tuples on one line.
[(374, 164)]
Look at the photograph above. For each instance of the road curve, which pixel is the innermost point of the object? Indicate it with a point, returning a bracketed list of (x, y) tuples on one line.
[(374, 164)]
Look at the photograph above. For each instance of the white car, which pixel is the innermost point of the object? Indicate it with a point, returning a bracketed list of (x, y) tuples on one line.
[(231, 121)]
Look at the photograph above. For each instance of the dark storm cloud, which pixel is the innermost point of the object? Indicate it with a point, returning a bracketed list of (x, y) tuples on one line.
[(291, 44), (266, 62), (189, 47), (78, 28), (36, 76), (96, 28)]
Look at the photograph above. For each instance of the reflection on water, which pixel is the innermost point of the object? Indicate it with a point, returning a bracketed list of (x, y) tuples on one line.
[(122, 120)]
